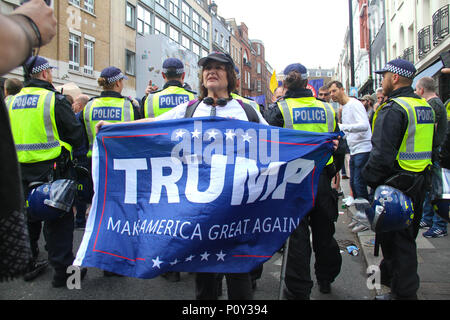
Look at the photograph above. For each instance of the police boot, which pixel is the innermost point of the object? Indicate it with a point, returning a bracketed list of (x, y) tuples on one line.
[(324, 286), (36, 269)]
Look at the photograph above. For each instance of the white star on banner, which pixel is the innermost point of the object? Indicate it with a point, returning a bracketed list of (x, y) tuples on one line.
[(157, 263), (190, 258), (221, 256), (205, 256), (196, 134), (212, 134), (246, 137), (180, 133), (230, 134), (174, 262)]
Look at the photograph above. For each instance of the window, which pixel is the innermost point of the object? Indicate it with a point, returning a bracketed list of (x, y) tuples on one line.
[(161, 2), (186, 42), (204, 53), (216, 36), (259, 86), (258, 67), (174, 34), (196, 49), (259, 49), (130, 66), (185, 16), (248, 80), (173, 7), (196, 22), (160, 26), (130, 15), (89, 6), (318, 73), (205, 27), (74, 52), (75, 2), (88, 57), (143, 20)]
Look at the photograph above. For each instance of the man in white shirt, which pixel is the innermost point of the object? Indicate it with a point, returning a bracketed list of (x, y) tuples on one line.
[(356, 126)]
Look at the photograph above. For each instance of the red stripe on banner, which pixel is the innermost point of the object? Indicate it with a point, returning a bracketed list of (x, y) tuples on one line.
[(291, 143), (250, 256), (106, 187)]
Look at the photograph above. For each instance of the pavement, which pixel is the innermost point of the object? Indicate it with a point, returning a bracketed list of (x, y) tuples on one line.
[(433, 256)]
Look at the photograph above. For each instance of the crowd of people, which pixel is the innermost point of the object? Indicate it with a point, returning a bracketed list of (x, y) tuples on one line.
[(391, 137)]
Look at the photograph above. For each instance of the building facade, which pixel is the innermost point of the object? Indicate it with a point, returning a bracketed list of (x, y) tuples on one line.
[(377, 29)]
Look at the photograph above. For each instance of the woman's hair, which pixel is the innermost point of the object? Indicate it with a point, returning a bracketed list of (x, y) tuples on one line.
[(102, 82), (294, 81), (231, 77)]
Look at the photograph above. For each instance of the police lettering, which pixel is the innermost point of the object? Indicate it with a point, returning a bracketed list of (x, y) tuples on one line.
[(424, 115), (309, 115), (172, 100), (26, 102), (107, 113)]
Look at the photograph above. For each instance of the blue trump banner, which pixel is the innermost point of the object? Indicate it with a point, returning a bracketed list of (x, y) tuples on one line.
[(198, 195)]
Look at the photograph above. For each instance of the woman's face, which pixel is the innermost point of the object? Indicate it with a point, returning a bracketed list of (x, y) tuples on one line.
[(215, 76)]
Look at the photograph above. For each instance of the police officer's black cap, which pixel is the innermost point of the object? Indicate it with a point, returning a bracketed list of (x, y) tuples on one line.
[(216, 56), (401, 67)]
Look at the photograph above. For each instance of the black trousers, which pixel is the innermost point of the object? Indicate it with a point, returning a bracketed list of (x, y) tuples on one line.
[(239, 286), (327, 253), (399, 265)]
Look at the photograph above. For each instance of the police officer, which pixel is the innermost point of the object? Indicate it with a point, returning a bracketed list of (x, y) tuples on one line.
[(403, 132), (172, 94), (299, 110), (110, 105), (235, 94), (45, 130)]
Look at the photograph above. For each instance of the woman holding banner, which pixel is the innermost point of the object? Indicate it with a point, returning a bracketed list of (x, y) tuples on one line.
[(218, 81)]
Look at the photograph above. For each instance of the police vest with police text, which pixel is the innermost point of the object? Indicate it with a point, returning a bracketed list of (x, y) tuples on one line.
[(33, 124), (417, 144), (162, 101), (308, 114), (108, 109)]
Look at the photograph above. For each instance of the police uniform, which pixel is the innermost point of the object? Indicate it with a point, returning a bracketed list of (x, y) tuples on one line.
[(299, 110), (255, 105), (45, 130), (109, 106), (402, 140), (172, 94)]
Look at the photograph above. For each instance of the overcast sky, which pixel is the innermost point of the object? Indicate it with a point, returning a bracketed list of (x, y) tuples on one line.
[(307, 31)]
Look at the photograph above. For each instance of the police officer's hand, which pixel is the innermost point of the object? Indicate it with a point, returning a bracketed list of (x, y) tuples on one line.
[(43, 17), (336, 144), (101, 124), (150, 88)]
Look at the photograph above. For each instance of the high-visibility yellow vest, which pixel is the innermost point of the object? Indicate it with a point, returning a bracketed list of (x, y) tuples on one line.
[(255, 105), (417, 144), (162, 101), (108, 109), (33, 124), (308, 114)]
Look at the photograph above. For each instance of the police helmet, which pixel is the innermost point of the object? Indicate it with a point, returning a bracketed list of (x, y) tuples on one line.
[(85, 188), (391, 210), (50, 201)]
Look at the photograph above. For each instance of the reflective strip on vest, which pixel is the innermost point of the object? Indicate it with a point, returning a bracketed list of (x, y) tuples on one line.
[(288, 121), (150, 109), (88, 123), (51, 141)]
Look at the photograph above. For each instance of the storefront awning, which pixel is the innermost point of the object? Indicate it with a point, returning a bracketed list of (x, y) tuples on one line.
[(428, 72)]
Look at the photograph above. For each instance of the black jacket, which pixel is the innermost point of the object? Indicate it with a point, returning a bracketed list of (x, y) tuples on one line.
[(389, 131), (69, 129)]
